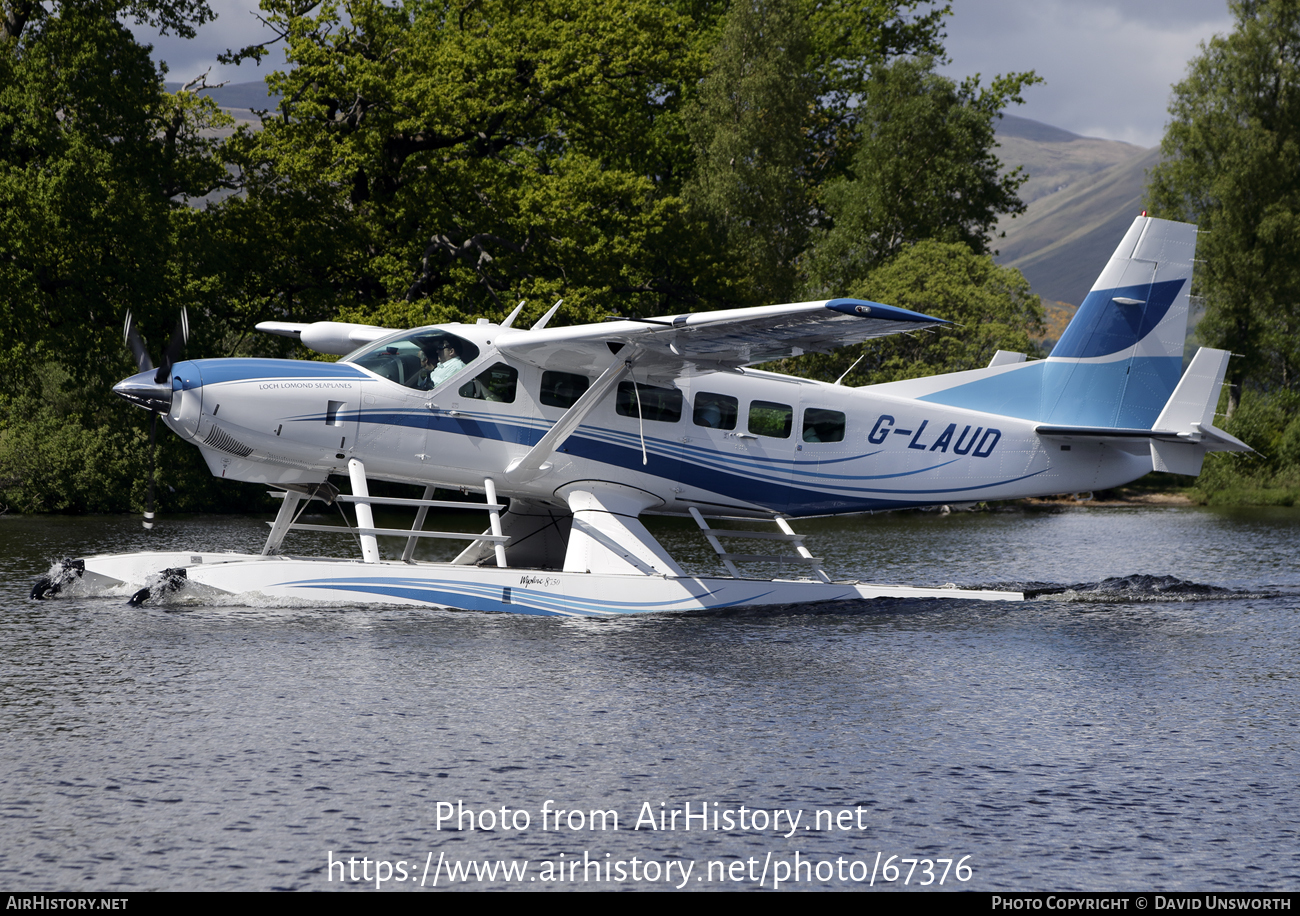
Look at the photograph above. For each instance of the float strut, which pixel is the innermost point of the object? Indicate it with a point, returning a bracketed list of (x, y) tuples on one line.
[(365, 518), (283, 520), (490, 488)]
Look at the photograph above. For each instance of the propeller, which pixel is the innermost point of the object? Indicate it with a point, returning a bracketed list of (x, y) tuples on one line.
[(150, 388)]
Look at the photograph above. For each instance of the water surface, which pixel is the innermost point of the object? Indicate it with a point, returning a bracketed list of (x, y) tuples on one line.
[(1136, 728)]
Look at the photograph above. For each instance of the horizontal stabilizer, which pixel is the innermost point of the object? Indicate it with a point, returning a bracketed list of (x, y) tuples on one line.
[(1185, 431)]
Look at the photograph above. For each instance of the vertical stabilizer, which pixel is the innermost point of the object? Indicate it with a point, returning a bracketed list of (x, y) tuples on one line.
[(1120, 358), (1118, 361)]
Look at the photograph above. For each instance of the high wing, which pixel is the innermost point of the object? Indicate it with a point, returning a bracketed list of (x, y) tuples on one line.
[(709, 341)]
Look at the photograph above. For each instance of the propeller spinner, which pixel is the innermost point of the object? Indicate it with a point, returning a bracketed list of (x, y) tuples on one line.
[(152, 389)]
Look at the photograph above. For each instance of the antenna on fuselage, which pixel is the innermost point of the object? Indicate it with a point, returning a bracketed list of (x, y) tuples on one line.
[(547, 317), (510, 319)]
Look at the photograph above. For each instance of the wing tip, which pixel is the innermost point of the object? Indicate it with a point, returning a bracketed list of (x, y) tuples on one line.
[(865, 308)]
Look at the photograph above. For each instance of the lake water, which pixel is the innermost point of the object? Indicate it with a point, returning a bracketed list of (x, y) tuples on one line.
[(1138, 730)]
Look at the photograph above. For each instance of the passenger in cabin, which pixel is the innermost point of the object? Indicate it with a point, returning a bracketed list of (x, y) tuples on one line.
[(440, 365), (709, 416), (428, 360)]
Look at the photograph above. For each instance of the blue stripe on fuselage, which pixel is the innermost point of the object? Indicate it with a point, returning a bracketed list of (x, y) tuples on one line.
[(215, 371), (775, 488)]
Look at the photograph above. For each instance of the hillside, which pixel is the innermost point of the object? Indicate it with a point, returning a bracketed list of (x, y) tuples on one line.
[(1082, 193)]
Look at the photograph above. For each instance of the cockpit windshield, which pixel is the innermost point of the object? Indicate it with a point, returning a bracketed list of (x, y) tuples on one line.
[(421, 359)]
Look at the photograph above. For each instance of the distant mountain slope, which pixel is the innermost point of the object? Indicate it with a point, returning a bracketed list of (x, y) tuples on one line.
[(244, 96), (1083, 194), (1055, 159)]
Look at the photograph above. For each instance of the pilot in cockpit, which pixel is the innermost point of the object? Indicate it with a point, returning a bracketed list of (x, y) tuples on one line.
[(438, 362)]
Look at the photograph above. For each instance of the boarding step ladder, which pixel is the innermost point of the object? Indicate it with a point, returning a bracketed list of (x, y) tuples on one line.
[(786, 534), (365, 530)]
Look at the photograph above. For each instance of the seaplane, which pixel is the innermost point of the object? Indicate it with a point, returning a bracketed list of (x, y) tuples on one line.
[(573, 435)]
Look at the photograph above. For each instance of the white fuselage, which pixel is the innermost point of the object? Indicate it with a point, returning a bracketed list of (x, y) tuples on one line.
[(283, 421)]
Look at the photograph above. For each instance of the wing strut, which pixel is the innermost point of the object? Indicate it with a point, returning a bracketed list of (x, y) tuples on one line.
[(535, 462)]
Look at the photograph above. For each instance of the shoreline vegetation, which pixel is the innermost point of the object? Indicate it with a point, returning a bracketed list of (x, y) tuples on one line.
[(670, 159)]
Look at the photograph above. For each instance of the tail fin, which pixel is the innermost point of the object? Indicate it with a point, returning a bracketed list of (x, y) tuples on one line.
[(1121, 356), (1118, 361)]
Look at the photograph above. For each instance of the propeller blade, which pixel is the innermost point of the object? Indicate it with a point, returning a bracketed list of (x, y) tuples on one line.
[(175, 347), (132, 338)]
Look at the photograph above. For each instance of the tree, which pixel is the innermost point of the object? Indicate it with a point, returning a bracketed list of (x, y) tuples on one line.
[(179, 16), (991, 307), (468, 155), (1231, 164), (749, 125), (925, 168), (775, 117), (96, 165), (464, 156)]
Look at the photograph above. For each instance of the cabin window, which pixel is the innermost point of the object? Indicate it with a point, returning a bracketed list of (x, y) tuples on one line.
[(422, 359), (562, 389), (715, 411), (660, 404), (823, 425), (769, 419), (494, 384)]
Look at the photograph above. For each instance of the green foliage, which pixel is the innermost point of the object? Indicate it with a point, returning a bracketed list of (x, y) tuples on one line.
[(1231, 163), (178, 16), (58, 456), (469, 156), (96, 165), (925, 168), (435, 160), (94, 158), (777, 116), (1269, 423), (749, 125), (991, 307), (52, 463)]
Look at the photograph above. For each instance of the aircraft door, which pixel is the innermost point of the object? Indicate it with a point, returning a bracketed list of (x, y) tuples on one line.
[(394, 427), (480, 420), (823, 454)]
